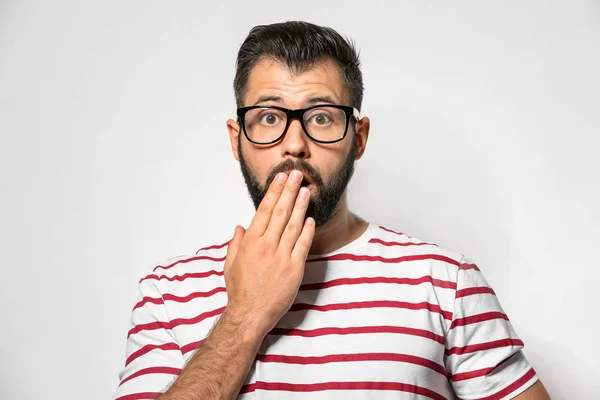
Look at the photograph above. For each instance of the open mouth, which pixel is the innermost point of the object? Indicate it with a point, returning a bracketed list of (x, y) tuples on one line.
[(306, 181)]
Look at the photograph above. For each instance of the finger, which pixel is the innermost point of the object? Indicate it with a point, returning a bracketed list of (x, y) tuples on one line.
[(283, 209), (261, 219), (304, 242), (296, 223), (234, 244)]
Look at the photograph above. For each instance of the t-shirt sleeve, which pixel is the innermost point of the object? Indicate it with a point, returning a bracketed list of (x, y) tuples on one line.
[(153, 356), (484, 357)]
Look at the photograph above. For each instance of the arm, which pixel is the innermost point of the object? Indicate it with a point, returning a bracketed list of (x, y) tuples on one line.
[(153, 356), (535, 392), (263, 271), (219, 367), (484, 353)]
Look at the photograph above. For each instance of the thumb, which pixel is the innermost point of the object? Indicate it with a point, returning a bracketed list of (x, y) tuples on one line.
[(234, 243)]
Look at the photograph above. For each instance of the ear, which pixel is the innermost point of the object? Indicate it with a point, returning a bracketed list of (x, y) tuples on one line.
[(362, 135), (234, 136)]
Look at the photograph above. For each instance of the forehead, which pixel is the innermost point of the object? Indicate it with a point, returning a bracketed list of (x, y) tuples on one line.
[(272, 78)]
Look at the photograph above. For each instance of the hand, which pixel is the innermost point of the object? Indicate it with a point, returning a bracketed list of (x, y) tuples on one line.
[(265, 264)]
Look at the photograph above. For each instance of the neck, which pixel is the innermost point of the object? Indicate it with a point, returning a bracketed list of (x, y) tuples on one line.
[(342, 228)]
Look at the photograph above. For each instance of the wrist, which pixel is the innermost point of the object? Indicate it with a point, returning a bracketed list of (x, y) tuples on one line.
[(243, 325)]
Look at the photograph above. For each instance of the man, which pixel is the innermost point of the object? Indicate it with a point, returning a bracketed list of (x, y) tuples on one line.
[(311, 301)]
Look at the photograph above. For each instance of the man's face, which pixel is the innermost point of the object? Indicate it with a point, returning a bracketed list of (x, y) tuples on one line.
[(327, 168)]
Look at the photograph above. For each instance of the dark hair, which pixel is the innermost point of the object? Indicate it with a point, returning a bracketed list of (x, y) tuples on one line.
[(299, 45)]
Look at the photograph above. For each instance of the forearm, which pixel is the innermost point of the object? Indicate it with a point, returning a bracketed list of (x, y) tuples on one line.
[(219, 368)]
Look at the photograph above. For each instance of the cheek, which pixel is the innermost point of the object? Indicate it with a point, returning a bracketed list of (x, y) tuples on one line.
[(331, 166), (261, 162)]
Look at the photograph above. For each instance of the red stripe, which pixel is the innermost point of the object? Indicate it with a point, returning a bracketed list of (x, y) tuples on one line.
[(145, 300), (479, 372), (148, 348), (213, 247), (266, 358), (473, 319), (191, 346), (379, 279), (392, 231), (337, 331), (309, 286), (179, 299), (513, 387), (358, 330), (316, 387), (176, 322), (389, 244), (462, 376), (373, 304), (149, 326), (336, 257), (140, 396), (187, 260), (416, 257), (484, 346), (474, 290), (184, 276), (152, 370), (466, 267)]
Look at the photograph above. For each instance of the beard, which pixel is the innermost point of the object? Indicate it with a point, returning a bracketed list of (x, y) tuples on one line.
[(324, 198)]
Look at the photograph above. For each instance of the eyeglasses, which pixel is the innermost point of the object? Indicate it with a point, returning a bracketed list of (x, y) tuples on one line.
[(325, 123)]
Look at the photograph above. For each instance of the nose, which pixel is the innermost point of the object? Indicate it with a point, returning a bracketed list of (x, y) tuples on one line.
[(295, 141)]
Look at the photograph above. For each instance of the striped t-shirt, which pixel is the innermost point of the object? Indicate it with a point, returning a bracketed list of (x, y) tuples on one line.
[(387, 316)]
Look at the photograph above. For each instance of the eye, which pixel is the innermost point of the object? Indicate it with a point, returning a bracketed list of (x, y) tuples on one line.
[(269, 119), (320, 119)]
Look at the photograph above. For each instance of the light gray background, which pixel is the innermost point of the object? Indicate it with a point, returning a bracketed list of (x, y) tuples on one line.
[(114, 156)]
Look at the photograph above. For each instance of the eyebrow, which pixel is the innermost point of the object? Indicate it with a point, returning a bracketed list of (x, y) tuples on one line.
[(321, 99), (312, 100), (265, 98)]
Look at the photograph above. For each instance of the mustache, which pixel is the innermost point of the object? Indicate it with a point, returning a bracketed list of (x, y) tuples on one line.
[(302, 166)]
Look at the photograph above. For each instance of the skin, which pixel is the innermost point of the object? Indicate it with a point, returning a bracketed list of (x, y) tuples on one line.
[(270, 78), (265, 263), (263, 270)]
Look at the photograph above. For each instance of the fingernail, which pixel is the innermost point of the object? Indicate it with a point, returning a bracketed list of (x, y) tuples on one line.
[(296, 175), (281, 177), (304, 192)]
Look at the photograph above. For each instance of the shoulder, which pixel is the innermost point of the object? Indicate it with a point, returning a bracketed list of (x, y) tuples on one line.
[(391, 243), (206, 261)]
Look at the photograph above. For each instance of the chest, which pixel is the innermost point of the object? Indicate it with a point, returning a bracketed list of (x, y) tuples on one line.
[(348, 336), (365, 349)]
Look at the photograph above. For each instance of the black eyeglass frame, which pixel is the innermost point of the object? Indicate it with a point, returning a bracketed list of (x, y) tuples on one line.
[(351, 112)]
